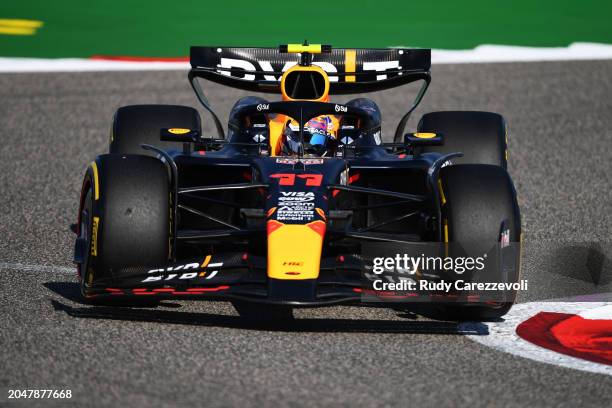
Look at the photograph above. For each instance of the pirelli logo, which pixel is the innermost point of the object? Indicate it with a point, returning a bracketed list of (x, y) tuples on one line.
[(94, 236)]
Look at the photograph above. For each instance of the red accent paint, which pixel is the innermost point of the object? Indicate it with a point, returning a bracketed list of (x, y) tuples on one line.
[(318, 227), (247, 175), (401, 156), (172, 291), (354, 178), (284, 178), (273, 225), (138, 59), (312, 180), (357, 290), (288, 179), (213, 289), (335, 193), (321, 213)]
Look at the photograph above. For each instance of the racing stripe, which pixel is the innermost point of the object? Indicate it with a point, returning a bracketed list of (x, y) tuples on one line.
[(350, 64)]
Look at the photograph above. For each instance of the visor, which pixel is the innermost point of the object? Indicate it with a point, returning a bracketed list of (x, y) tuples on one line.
[(318, 139)]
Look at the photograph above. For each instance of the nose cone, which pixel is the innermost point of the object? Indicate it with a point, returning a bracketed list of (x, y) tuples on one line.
[(294, 250)]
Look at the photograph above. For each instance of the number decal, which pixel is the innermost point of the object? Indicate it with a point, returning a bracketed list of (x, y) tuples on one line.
[(284, 179), (288, 179), (313, 180)]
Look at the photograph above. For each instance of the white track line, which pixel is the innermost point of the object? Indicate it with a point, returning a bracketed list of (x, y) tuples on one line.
[(83, 64), (502, 336), (37, 268), (510, 53), (482, 53)]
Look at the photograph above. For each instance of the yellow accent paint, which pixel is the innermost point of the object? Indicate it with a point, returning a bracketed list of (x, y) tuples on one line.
[(445, 222), (425, 135), (316, 68), (506, 152), (297, 48), (19, 26), (441, 192), (276, 127), (206, 261), (445, 231), (350, 64), (94, 167), (321, 213), (179, 131), (94, 236), (294, 248)]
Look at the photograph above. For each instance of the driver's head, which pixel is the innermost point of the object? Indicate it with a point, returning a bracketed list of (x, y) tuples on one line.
[(318, 138)]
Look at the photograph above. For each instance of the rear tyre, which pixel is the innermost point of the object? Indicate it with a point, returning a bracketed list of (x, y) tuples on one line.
[(480, 136), (135, 125), (479, 205), (124, 218)]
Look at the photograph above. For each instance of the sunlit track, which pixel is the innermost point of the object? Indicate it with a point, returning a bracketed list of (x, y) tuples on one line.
[(201, 354), (37, 268)]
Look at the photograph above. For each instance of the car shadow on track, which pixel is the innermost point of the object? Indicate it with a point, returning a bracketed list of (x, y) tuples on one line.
[(150, 313)]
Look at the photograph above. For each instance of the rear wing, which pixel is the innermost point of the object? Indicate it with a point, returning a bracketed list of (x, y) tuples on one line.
[(350, 71)]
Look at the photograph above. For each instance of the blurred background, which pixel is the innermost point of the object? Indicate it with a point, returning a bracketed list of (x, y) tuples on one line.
[(159, 28)]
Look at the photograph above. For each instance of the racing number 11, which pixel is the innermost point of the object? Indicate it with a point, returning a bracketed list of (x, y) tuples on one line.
[(288, 179)]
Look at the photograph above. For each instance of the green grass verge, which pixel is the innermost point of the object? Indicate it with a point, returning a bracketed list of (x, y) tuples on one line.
[(162, 28)]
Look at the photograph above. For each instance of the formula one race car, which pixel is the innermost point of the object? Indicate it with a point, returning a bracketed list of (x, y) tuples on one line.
[(289, 207)]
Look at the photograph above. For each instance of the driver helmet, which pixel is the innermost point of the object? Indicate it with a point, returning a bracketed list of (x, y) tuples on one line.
[(319, 138)]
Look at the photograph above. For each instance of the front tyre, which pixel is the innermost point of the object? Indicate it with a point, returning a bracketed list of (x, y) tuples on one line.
[(135, 125), (124, 218), (480, 136), (479, 210)]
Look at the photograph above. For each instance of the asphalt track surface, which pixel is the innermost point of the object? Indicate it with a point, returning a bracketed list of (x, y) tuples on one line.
[(203, 354)]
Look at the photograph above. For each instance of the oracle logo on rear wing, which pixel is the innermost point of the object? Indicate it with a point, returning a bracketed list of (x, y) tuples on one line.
[(349, 70), (228, 66)]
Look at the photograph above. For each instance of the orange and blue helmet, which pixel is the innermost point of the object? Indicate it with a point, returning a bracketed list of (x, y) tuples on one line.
[(318, 138)]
